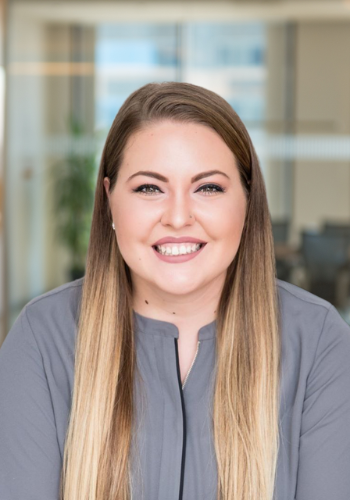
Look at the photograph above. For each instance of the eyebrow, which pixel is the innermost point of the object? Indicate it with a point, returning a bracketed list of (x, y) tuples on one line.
[(162, 178)]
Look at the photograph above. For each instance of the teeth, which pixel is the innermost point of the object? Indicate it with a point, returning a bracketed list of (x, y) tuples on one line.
[(181, 249)]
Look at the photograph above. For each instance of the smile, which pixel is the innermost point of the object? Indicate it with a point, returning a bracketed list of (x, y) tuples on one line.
[(179, 249), (182, 255)]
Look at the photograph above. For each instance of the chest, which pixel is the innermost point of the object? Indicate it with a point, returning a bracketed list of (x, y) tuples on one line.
[(172, 444), (188, 352)]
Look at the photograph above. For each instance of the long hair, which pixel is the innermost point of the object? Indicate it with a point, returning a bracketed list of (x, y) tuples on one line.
[(96, 464)]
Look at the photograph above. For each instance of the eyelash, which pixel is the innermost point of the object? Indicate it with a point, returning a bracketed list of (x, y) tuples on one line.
[(138, 189)]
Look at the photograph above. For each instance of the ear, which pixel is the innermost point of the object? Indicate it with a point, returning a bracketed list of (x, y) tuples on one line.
[(106, 184)]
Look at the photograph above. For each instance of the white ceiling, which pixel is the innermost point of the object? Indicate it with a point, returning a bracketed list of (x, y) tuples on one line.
[(179, 11)]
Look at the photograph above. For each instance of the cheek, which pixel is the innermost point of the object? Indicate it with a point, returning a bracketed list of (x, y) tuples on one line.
[(230, 238), (131, 212), (123, 221), (131, 227), (229, 234), (229, 222)]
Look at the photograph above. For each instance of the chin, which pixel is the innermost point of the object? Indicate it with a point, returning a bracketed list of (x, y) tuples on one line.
[(178, 289)]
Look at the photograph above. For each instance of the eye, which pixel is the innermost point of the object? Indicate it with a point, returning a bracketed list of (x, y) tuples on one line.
[(150, 189), (146, 186), (219, 189)]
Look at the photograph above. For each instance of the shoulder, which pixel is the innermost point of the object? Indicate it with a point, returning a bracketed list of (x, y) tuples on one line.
[(65, 294), (293, 295), (303, 311), (315, 347), (315, 393), (309, 324), (52, 316), (37, 360), (300, 309)]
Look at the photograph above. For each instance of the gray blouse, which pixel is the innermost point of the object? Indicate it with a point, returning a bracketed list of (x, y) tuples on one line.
[(172, 448)]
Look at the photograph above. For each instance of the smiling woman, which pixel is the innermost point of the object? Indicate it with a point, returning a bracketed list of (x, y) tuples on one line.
[(179, 155), (177, 365)]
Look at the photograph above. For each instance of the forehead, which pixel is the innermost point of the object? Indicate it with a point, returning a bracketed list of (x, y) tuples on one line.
[(170, 144), (166, 129)]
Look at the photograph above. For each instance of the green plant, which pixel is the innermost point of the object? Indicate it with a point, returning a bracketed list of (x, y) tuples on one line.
[(74, 184)]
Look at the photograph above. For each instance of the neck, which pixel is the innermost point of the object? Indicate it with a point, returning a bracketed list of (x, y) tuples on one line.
[(188, 313)]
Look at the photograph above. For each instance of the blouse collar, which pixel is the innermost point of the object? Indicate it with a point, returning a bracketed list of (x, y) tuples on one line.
[(153, 326)]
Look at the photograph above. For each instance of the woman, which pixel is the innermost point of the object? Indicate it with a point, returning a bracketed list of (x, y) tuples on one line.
[(197, 373)]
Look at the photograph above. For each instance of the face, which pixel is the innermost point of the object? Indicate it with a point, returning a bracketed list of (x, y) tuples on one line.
[(146, 209)]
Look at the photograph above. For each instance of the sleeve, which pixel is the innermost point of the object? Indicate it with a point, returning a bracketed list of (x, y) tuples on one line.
[(324, 446), (30, 462)]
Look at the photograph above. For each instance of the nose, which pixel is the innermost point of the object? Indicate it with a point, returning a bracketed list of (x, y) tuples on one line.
[(178, 212)]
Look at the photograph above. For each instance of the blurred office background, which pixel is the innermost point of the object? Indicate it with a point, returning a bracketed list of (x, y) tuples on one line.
[(65, 69)]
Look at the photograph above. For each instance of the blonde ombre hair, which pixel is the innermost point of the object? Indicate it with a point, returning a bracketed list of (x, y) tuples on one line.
[(96, 463)]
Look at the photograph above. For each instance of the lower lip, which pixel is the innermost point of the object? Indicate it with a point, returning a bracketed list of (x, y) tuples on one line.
[(178, 259)]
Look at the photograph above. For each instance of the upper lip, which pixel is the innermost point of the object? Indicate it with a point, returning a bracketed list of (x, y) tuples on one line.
[(182, 239)]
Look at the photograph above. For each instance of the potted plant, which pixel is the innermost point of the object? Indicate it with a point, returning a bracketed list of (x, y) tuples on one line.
[(74, 184)]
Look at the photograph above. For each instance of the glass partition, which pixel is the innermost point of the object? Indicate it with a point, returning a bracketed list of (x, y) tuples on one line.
[(69, 69)]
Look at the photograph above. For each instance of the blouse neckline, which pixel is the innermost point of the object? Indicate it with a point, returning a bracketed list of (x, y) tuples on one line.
[(154, 326)]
